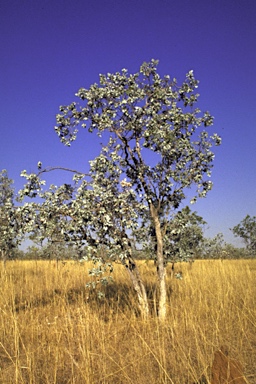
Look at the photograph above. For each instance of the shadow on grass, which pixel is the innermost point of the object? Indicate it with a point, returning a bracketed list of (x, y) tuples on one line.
[(117, 296)]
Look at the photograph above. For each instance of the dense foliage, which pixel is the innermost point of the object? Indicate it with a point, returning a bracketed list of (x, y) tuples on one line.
[(247, 231), (9, 221)]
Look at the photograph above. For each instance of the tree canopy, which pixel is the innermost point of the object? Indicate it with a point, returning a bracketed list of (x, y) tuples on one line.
[(9, 222), (156, 147), (247, 231)]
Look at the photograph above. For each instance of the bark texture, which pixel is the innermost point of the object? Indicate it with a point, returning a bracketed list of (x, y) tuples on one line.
[(139, 287), (160, 264)]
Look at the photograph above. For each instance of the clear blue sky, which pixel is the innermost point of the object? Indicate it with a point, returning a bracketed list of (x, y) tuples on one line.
[(49, 49)]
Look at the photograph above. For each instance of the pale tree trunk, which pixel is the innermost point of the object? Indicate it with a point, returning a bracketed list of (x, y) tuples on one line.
[(4, 258), (139, 287), (160, 265)]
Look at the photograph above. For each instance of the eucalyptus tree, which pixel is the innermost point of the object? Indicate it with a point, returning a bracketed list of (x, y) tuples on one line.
[(247, 231), (212, 248), (156, 146), (183, 235), (9, 220)]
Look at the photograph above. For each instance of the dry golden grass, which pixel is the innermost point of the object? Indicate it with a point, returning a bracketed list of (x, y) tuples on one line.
[(53, 331)]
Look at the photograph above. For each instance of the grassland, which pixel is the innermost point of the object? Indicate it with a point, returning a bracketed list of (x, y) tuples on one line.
[(53, 330)]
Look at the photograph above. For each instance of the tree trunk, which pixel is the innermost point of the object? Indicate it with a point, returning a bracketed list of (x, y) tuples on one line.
[(160, 265), (4, 259), (139, 287)]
